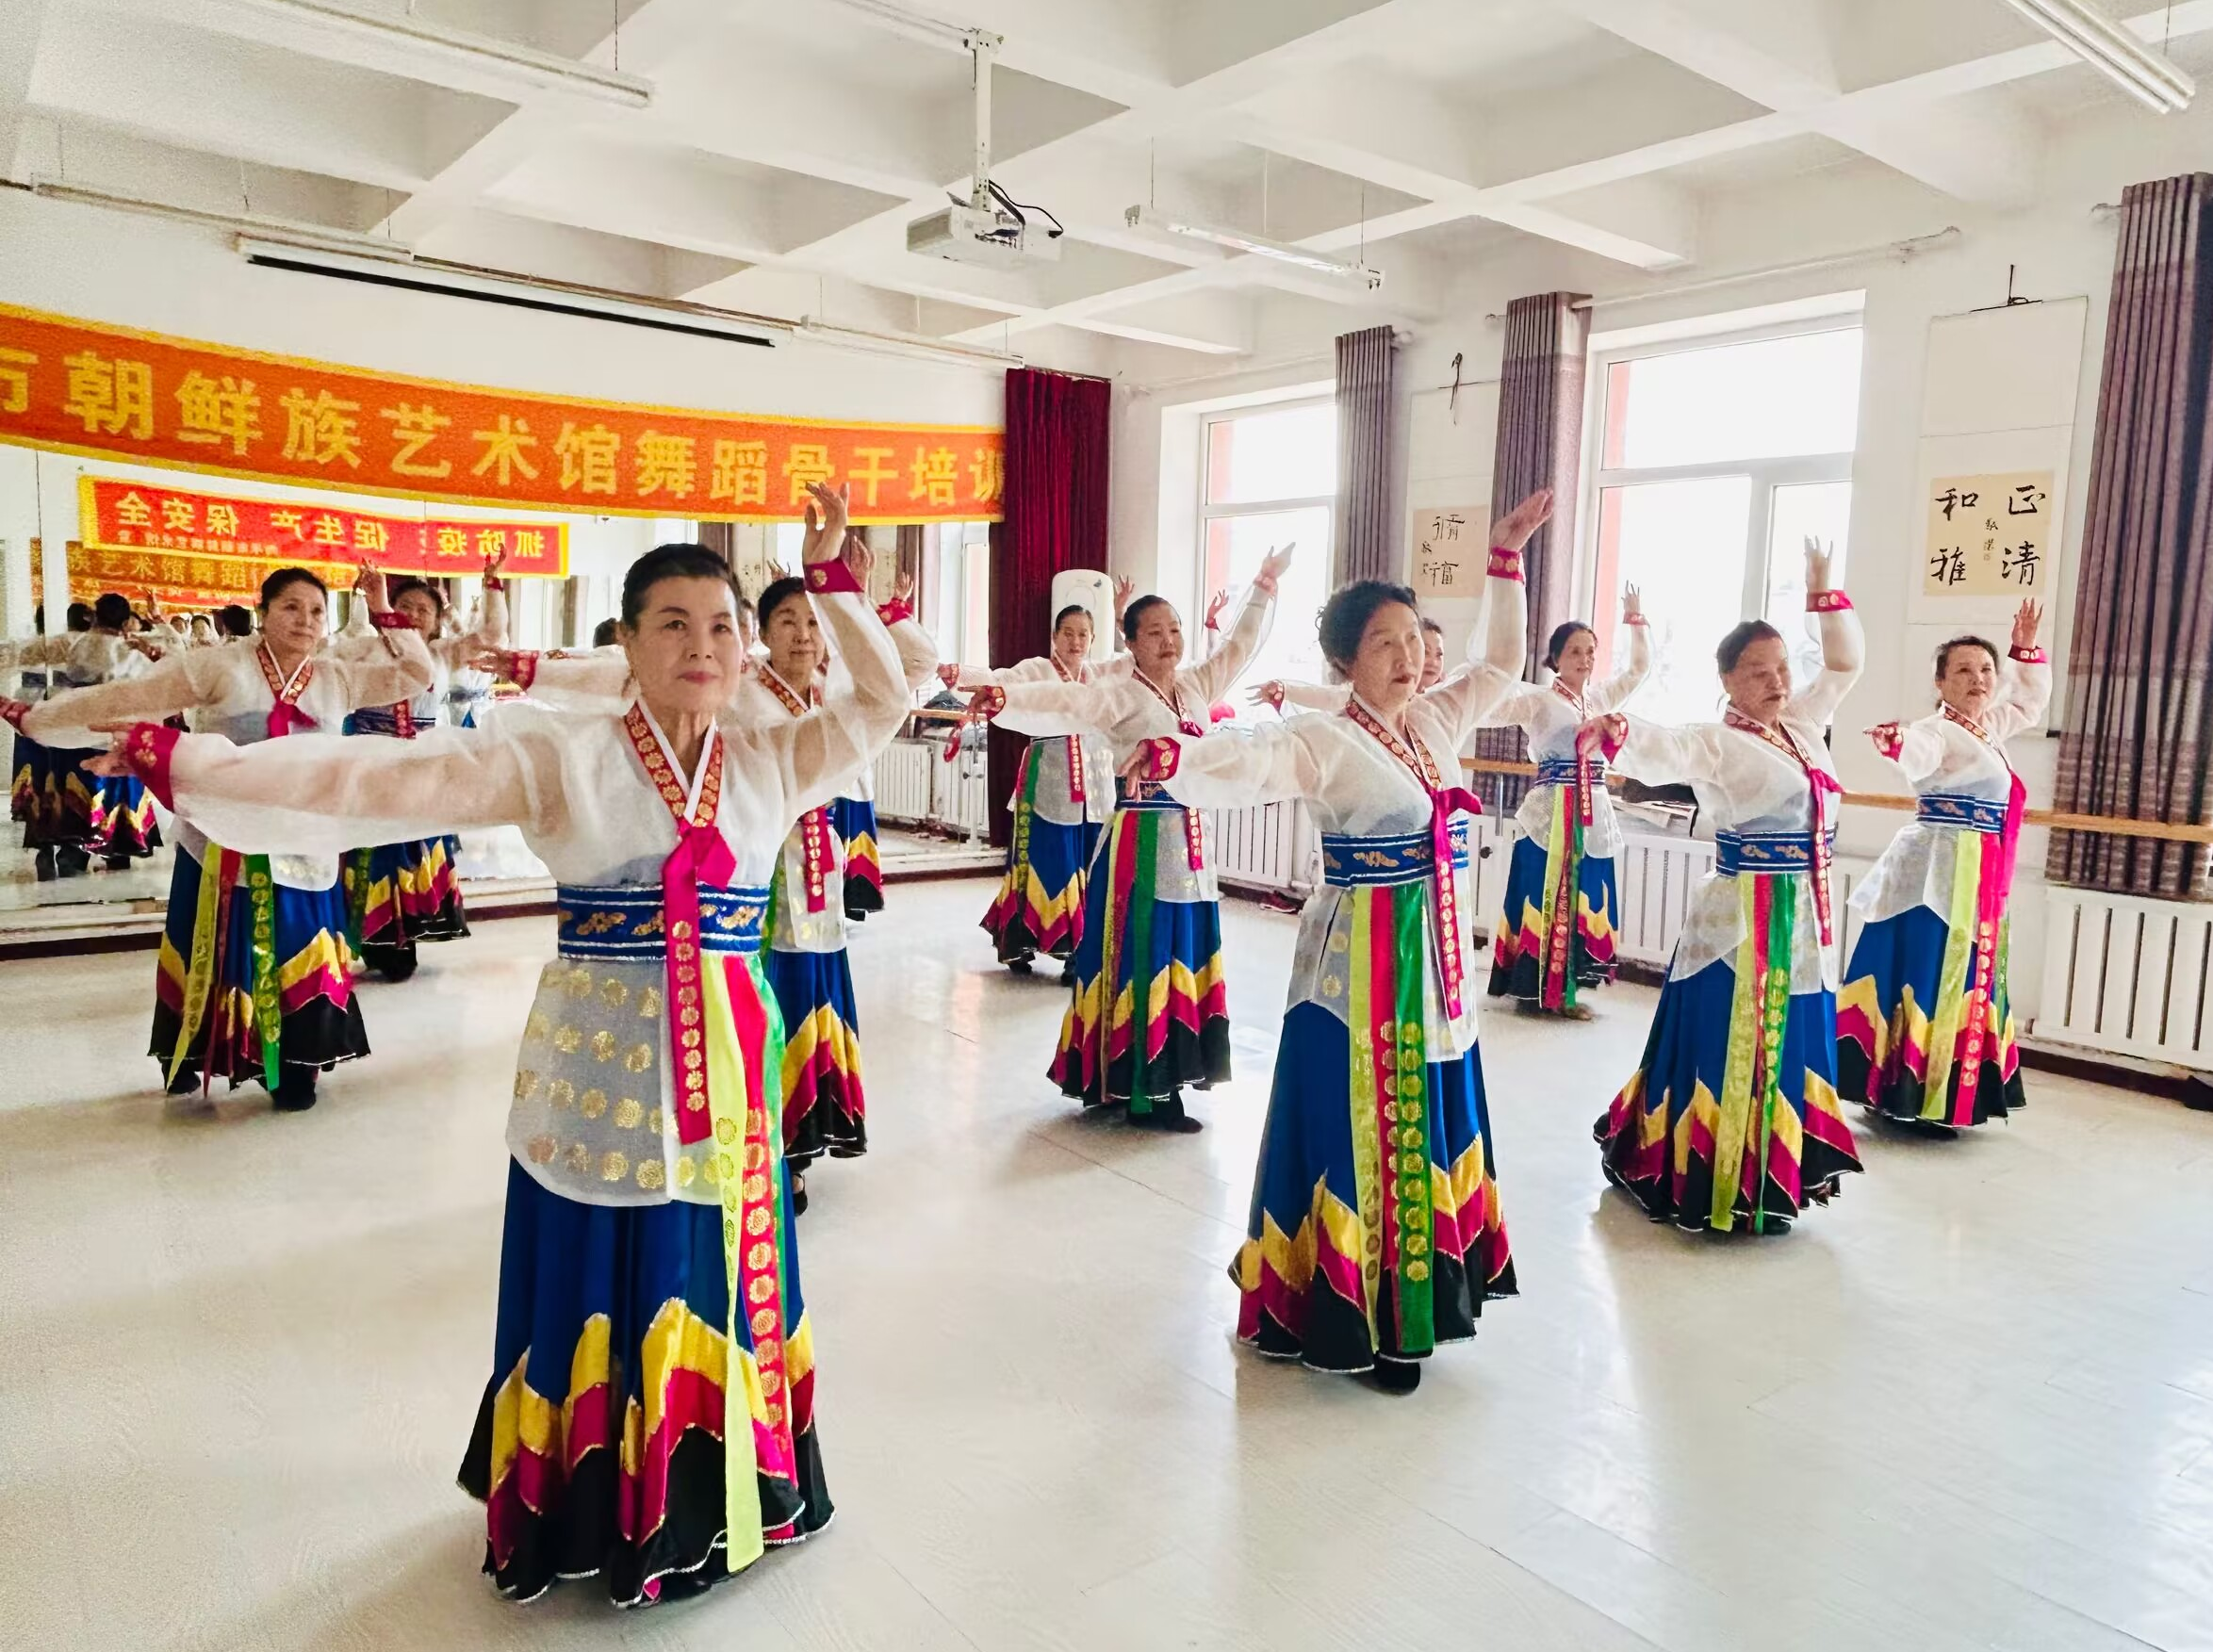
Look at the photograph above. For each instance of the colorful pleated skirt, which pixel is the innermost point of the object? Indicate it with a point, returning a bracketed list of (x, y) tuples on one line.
[(825, 1109), (854, 820), (1112, 1047), (26, 780), (598, 1446), (253, 975), (1304, 1292), (1543, 955), (1904, 1023), (1689, 1142), (400, 894), (1040, 906)]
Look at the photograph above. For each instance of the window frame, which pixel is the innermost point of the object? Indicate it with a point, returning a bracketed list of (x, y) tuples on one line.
[(1206, 514), (1765, 475)]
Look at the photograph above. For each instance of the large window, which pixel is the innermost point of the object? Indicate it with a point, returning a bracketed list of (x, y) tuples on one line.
[(1268, 477), (1716, 462)]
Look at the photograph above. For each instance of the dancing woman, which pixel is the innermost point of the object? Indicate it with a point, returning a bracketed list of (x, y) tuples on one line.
[(255, 979), (649, 1415), (74, 815), (1925, 1023), (1731, 1119), (1058, 802), (1280, 692), (1147, 1014), (399, 894), (1556, 936)]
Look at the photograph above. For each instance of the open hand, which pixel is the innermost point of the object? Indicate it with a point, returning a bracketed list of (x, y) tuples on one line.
[(1124, 588), (1215, 604), (859, 558), (2028, 620), (371, 586), (1632, 603), (903, 587), (1274, 566), (1513, 530), (1818, 560), (826, 524), (1270, 693), (949, 673)]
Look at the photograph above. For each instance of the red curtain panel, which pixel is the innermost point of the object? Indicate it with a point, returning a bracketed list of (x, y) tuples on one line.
[(1057, 437)]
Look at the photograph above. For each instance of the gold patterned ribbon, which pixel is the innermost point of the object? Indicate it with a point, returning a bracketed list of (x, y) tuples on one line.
[(814, 833), (1444, 802)]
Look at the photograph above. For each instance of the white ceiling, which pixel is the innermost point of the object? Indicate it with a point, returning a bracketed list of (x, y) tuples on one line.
[(789, 141)]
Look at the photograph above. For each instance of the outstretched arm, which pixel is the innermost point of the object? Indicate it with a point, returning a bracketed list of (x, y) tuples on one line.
[(1613, 693), (2024, 686), (1233, 768), (180, 679), (1214, 676), (1474, 693), (1843, 647)]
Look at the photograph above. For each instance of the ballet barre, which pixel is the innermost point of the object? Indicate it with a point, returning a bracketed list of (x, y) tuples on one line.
[(2058, 819)]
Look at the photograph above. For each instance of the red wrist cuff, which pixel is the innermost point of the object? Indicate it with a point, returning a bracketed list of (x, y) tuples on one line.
[(832, 579), (1505, 564), (1826, 603), (493, 583), (989, 701), (1162, 757), (391, 619), (895, 611), (522, 670), (2030, 655), (1888, 741), (1265, 584), (1634, 619), (149, 748)]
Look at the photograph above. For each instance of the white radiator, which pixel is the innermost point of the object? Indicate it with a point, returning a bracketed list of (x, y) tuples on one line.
[(903, 779), (2129, 976)]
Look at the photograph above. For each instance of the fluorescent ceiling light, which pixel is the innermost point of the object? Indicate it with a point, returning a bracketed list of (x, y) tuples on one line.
[(515, 66), (2152, 80), (1237, 240), (325, 237)]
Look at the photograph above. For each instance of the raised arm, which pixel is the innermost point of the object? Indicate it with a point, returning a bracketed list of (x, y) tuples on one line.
[(1214, 676), (2024, 684), (1473, 695), (1842, 649), (490, 630), (1233, 768), (1612, 695), (397, 667)]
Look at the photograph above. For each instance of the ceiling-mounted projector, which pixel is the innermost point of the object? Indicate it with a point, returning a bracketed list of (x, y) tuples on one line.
[(990, 228)]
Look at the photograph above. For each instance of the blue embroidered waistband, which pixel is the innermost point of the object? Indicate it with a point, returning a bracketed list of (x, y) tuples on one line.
[(1352, 862), (376, 720), (624, 920), (1956, 808), (1560, 771), (1764, 853), (1459, 830), (1145, 795)]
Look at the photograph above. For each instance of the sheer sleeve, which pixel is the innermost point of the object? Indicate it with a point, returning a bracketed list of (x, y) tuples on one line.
[(178, 681), (488, 632), (323, 793), (383, 676), (1043, 710), (917, 650), (812, 756), (1842, 651), (1037, 670), (1659, 756), (1921, 751), (596, 681), (2024, 691), (1318, 696), (1215, 674), (1238, 768), (34, 651), (1612, 695), (1504, 642), (1473, 695)]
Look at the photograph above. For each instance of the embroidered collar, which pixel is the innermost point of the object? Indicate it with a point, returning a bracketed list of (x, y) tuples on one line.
[(1409, 751), (789, 697), (1175, 706)]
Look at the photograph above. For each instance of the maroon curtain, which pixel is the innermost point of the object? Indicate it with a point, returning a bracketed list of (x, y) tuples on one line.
[(1539, 445), (1057, 431), (2140, 717), (1367, 538)]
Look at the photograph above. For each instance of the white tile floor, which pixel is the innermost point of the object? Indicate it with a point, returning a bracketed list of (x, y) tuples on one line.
[(1970, 1406)]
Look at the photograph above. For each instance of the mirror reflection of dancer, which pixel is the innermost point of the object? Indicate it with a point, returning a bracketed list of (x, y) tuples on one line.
[(1555, 939), (1059, 799), (399, 894), (255, 979), (1926, 1019), (1376, 1232), (1732, 1120), (1148, 1014), (649, 1418), (82, 816)]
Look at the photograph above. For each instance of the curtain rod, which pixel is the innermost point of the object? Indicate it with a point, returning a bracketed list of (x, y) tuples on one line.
[(1903, 249)]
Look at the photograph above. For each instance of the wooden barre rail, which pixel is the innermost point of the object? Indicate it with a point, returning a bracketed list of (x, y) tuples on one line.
[(2058, 819)]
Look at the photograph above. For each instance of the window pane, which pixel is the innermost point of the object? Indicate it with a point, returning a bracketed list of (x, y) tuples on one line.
[(1767, 400), (1235, 546), (1683, 545), (1820, 510), (1289, 454)]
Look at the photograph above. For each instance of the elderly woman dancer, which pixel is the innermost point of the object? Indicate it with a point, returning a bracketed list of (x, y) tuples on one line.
[(255, 979), (1148, 1014), (650, 1416), (1925, 1023), (1731, 1122), (1556, 937), (1376, 1231)]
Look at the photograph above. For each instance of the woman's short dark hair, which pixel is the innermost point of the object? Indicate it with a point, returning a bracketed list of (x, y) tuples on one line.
[(1134, 614), (1061, 618), (1943, 653), (235, 619), (1741, 637), (1562, 635), (112, 611), (1345, 616), (603, 633), (776, 594), (80, 616), (284, 579), (677, 561), (1434, 627), (406, 582)]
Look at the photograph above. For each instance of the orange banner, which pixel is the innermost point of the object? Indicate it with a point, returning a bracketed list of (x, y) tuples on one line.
[(112, 392), (115, 515), (175, 580)]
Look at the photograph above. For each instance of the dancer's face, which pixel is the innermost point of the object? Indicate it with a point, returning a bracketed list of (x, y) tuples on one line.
[(1577, 661), (685, 649), (794, 641), (421, 610), (1158, 649), (1386, 671), (1071, 640), (292, 624), (1968, 680), (1761, 685), (1433, 659)]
